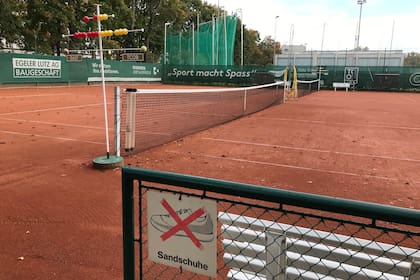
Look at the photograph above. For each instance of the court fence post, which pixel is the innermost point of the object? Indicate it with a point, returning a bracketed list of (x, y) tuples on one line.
[(128, 227)]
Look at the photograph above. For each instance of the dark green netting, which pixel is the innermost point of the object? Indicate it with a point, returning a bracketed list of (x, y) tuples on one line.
[(212, 43)]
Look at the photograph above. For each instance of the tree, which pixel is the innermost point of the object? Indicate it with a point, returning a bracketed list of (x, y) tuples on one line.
[(267, 50), (39, 25), (412, 59), (11, 22), (45, 23)]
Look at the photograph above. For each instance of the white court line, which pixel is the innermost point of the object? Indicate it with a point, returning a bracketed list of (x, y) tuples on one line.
[(70, 86), (51, 137), (310, 150), (409, 98), (341, 123), (53, 109), (34, 95), (54, 123), (294, 167)]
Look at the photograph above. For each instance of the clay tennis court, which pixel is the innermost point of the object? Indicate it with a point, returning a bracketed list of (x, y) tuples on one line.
[(61, 219)]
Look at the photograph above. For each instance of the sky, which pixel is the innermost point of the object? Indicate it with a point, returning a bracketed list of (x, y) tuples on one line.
[(332, 24)]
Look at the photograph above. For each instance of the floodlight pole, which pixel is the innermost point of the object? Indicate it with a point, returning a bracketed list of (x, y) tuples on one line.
[(357, 43), (392, 35), (274, 41), (193, 45), (212, 40), (226, 51), (198, 32), (242, 38), (320, 55), (165, 60)]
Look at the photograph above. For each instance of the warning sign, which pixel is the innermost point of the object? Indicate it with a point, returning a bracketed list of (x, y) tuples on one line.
[(182, 232)]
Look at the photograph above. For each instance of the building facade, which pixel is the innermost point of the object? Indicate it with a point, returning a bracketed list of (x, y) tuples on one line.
[(299, 56)]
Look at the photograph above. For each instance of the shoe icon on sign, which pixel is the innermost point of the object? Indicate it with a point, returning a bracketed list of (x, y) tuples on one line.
[(202, 227)]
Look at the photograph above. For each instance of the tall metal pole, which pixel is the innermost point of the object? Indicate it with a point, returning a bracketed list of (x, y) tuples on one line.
[(226, 50), (242, 36), (103, 78), (193, 45), (392, 35), (357, 43), (180, 44), (198, 32), (320, 55), (165, 59), (292, 34), (212, 40), (242, 39), (274, 41)]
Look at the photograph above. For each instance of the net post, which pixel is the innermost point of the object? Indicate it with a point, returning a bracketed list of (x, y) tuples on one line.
[(130, 134), (415, 269), (245, 95), (117, 120), (276, 259), (133, 120), (285, 87)]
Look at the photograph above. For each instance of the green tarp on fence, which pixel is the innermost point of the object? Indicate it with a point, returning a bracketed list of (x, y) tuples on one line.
[(216, 74), (366, 78), (375, 78), (212, 43)]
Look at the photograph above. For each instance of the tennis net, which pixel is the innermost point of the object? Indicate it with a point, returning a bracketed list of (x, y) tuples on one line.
[(306, 87), (154, 117)]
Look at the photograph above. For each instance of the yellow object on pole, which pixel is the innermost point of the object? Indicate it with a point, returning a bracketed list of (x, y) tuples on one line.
[(285, 74), (103, 17), (294, 86)]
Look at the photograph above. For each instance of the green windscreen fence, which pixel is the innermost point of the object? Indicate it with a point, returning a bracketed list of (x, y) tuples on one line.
[(35, 68), (211, 43), (376, 78)]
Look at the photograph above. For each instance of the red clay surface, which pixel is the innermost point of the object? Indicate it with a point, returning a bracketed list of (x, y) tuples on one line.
[(61, 219)]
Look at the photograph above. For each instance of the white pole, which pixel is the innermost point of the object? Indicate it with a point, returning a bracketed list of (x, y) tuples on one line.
[(392, 35), (180, 45), (292, 31), (226, 51), (274, 42), (320, 55), (212, 41), (103, 78), (193, 45), (357, 44), (198, 32), (217, 32), (117, 120), (242, 39), (164, 46)]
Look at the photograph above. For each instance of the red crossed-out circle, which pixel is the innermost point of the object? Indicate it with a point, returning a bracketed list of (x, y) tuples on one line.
[(182, 224)]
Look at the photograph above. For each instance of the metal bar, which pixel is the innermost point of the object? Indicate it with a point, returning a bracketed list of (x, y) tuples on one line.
[(103, 81), (117, 121), (128, 226), (310, 201), (140, 215)]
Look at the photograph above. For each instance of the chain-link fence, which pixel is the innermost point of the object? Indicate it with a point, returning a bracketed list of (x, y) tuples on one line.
[(267, 233)]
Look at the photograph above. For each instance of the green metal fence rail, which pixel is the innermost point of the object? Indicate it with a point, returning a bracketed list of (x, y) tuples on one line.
[(395, 231)]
